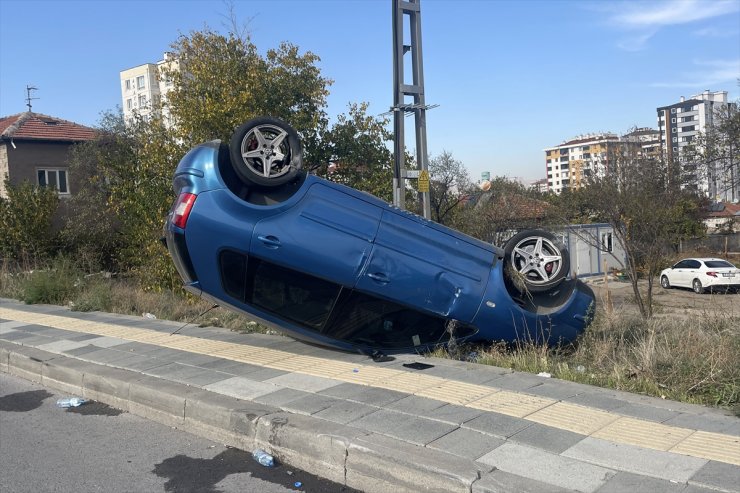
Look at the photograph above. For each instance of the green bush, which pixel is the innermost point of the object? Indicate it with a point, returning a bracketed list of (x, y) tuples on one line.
[(25, 222), (53, 286)]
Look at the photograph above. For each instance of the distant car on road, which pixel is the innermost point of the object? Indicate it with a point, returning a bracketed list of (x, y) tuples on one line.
[(701, 274), (332, 265)]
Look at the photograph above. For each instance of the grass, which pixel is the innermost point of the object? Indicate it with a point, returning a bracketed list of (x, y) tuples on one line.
[(692, 359)]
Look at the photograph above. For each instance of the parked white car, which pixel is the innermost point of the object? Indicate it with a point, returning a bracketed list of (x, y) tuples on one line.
[(701, 274)]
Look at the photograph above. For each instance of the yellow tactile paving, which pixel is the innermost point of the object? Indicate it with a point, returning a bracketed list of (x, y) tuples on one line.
[(560, 415), (643, 433), (512, 403), (454, 392), (577, 418), (713, 446)]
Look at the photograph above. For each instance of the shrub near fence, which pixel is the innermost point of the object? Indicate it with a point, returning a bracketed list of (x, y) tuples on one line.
[(718, 244)]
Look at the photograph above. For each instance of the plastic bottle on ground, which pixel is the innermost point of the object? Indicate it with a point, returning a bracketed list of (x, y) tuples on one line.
[(71, 402), (263, 458)]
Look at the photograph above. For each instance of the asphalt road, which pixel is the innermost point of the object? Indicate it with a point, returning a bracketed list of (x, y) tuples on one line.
[(98, 448)]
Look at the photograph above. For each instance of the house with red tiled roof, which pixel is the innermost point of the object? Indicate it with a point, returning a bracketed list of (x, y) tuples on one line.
[(35, 148), (722, 217)]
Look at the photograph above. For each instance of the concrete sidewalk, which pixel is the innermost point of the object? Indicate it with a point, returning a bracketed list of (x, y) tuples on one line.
[(453, 426)]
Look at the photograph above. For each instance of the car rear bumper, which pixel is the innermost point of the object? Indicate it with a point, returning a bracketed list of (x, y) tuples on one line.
[(177, 246)]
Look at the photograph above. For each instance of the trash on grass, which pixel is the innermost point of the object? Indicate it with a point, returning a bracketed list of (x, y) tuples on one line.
[(71, 402), (544, 374), (148, 315), (263, 458), (580, 368)]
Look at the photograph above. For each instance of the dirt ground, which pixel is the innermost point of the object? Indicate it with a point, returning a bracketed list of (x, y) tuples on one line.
[(667, 302)]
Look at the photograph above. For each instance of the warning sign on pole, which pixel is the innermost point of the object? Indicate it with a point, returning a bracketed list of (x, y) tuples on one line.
[(424, 181)]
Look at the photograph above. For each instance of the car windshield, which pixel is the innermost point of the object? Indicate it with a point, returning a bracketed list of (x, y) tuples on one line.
[(715, 264)]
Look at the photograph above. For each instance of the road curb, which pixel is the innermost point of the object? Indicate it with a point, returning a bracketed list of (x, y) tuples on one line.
[(346, 455)]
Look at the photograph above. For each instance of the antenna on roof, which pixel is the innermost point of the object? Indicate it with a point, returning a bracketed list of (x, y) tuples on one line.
[(28, 95)]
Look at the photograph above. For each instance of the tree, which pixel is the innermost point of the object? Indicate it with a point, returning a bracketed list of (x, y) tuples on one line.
[(717, 152), (449, 186), (25, 221), (649, 210), (357, 152)]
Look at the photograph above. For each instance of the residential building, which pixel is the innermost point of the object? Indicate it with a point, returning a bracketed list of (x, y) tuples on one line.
[(569, 163), (35, 148), (144, 85), (679, 124), (539, 185), (648, 140)]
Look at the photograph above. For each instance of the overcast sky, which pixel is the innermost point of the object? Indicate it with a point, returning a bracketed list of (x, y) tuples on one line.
[(510, 77)]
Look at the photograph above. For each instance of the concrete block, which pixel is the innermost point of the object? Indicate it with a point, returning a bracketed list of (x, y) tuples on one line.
[(310, 404), (466, 443), (4, 356), (160, 400), (345, 411), (705, 422), (364, 394), (308, 443), (504, 482), (380, 464), (242, 388), (298, 381), (497, 424), (548, 468), (280, 397), (109, 385), (625, 481), (717, 475), (646, 462), (647, 412), (26, 362), (62, 346), (64, 374)]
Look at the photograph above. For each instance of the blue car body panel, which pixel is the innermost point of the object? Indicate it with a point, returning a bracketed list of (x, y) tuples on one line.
[(369, 250)]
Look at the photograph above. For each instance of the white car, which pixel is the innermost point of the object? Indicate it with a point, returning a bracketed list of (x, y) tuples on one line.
[(701, 274)]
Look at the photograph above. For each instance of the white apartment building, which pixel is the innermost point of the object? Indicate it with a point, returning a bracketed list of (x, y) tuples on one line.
[(569, 163), (142, 85), (679, 124)]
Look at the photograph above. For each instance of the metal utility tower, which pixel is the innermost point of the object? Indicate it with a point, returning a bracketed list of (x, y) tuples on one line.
[(410, 9)]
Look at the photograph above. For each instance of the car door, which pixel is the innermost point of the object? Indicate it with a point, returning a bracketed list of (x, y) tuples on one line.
[(691, 272), (426, 266), (328, 234), (679, 273)]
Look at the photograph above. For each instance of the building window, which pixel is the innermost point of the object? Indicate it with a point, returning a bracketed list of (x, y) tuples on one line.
[(675, 139), (606, 242), (128, 84), (129, 104), (140, 82), (675, 149), (54, 178), (673, 111), (674, 130), (142, 101)]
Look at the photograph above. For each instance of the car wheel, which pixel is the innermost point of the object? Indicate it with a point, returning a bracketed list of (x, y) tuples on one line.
[(266, 152), (665, 282), (697, 287), (536, 261)]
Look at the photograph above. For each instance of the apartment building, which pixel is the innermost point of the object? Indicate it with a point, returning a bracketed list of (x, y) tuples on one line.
[(679, 124), (569, 163), (144, 85)]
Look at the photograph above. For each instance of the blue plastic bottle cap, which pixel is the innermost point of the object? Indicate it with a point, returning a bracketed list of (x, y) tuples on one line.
[(297, 484)]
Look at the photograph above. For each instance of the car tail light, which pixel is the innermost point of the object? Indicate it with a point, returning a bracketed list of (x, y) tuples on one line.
[(182, 208), (712, 274)]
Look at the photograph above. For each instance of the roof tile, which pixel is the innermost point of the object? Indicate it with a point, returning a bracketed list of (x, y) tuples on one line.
[(36, 126)]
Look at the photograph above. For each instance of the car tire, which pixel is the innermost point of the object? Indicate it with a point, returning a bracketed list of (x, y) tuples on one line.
[(536, 261), (665, 283), (266, 152), (697, 287)]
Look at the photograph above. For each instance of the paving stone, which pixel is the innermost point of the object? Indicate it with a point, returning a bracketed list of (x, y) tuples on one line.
[(515, 381), (472, 374), (299, 381), (409, 428), (452, 413), (345, 411), (503, 482), (226, 365), (41, 330), (547, 438), (280, 397), (717, 475), (364, 394), (655, 463), (598, 400), (102, 355), (241, 388), (136, 362), (646, 412), (413, 404), (699, 489), (82, 337), (8, 325), (62, 346), (25, 338), (310, 404), (497, 424), (548, 468), (466, 443), (556, 389), (260, 374), (703, 422), (107, 342), (627, 482)]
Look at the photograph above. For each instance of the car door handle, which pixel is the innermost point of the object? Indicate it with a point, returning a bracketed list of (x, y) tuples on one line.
[(270, 241), (379, 277)]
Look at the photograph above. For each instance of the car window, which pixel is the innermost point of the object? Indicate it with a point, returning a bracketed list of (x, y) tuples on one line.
[(233, 267), (694, 264), (290, 294), (366, 320), (717, 264)]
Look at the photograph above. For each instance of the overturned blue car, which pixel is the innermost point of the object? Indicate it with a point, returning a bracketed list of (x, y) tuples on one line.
[(328, 264)]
